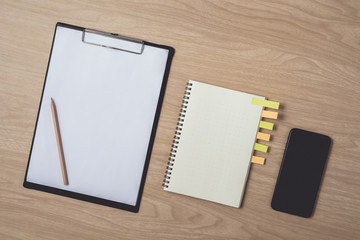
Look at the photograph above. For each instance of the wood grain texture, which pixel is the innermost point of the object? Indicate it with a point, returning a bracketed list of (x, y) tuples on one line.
[(304, 54)]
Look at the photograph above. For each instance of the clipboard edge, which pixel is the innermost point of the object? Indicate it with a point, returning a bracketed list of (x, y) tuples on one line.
[(80, 196)]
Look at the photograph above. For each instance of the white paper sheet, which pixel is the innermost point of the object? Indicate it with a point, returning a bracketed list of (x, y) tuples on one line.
[(106, 101)]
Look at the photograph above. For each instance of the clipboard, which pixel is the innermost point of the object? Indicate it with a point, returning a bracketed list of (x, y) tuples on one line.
[(109, 90)]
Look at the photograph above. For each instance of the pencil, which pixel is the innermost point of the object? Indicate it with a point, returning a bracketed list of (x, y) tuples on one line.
[(59, 144)]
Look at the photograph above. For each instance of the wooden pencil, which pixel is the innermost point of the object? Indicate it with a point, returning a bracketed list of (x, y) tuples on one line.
[(59, 143)]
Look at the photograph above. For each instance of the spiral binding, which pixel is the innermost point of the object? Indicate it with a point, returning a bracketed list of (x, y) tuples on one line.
[(176, 140)]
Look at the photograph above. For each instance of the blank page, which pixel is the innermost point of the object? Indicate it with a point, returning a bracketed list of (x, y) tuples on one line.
[(106, 101), (216, 144)]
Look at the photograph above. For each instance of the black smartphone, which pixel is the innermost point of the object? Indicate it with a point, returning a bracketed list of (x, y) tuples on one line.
[(301, 172)]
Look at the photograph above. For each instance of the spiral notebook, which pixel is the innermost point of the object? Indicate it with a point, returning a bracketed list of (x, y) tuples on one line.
[(214, 143)]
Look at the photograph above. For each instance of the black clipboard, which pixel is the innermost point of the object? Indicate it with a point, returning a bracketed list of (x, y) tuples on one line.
[(98, 42)]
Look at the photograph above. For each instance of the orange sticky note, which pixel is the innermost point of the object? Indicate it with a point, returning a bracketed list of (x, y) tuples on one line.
[(269, 114), (263, 136), (258, 160)]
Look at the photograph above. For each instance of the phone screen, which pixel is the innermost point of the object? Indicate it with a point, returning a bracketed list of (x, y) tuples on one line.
[(300, 172)]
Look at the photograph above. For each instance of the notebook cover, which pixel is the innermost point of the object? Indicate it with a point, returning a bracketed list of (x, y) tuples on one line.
[(213, 145)]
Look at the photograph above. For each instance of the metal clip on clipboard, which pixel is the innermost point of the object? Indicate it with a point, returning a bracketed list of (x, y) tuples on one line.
[(113, 41)]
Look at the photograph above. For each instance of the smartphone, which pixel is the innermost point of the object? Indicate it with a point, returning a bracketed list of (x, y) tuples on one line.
[(301, 172)]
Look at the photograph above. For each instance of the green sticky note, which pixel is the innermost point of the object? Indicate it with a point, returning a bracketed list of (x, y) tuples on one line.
[(260, 147), (266, 125), (265, 103)]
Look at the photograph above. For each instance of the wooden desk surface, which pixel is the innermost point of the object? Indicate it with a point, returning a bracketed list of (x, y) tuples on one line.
[(304, 54)]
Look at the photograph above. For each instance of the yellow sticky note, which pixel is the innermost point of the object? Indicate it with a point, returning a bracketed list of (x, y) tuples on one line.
[(269, 114), (271, 104), (265, 103), (266, 125), (260, 147), (263, 136), (258, 160), (257, 101)]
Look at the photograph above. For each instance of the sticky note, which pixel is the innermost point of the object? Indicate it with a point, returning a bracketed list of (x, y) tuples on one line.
[(258, 160), (265, 103), (266, 125), (260, 147), (269, 114), (263, 136)]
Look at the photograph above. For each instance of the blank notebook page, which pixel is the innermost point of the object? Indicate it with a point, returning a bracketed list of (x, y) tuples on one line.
[(216, 144)]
